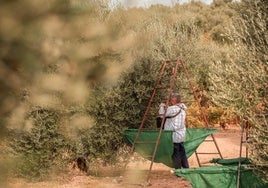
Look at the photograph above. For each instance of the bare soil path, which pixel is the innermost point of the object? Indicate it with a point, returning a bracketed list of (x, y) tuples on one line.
[(228, 141)]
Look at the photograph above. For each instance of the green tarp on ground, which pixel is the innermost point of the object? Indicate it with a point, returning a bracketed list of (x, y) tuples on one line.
[(194, 137), (230, 162), (221, 177)]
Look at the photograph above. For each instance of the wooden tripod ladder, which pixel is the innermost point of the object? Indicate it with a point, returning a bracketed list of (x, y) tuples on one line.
[(170, 69)]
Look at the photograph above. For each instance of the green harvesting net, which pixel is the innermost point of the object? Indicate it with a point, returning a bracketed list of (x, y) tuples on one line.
[(213, 176), (221, 177), (194, 137)]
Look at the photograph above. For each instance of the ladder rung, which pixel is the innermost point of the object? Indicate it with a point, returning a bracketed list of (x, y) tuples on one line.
[(193, 114), (146, 128), (149, 128), (163, 87), (150, 114), (187, 88), (187, 101), (165, 78), (148, 156), (207, 153)]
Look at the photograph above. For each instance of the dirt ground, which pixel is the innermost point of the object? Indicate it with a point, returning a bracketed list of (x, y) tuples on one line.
[(228, 141)]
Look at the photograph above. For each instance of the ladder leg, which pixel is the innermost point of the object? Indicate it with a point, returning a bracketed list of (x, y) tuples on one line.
[(171, 87), (218, 149), (203, 115), (197, 158)]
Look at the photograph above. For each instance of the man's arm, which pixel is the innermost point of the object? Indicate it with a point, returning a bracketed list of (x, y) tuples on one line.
[(172, 111), (161, 109)]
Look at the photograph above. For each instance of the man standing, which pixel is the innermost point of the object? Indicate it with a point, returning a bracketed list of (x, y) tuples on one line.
[(175, 121)]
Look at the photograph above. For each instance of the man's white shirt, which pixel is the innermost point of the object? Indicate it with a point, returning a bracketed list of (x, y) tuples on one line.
[(175, 122)]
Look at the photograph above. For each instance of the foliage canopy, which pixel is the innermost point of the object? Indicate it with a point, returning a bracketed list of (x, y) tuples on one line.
[(75, 74)]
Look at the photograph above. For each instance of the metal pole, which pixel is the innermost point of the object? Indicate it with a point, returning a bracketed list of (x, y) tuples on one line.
[(240, 155)]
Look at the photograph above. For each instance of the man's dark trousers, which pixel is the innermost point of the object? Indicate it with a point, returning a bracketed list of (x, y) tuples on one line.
[(179, 156)]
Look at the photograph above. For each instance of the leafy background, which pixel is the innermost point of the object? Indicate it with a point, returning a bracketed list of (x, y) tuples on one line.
[(75, 74)]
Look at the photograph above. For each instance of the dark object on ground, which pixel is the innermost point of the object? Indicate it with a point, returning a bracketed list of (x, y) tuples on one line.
[(82, 164)]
